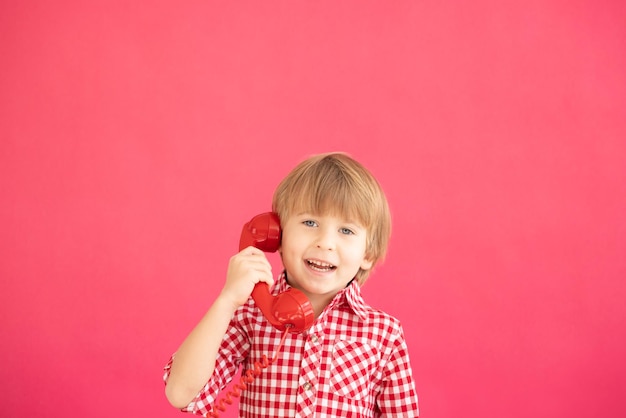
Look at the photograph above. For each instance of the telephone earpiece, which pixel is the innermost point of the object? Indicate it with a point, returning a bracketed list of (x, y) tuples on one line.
[(262, 232), (289, 310)]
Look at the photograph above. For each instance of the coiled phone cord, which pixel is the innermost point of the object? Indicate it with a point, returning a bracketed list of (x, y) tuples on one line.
[(246, 377)]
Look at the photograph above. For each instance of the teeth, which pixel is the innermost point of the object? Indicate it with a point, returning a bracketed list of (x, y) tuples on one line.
[(320, 265)]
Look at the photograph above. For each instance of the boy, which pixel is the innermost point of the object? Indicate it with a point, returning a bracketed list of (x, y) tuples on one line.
[(353, 361)]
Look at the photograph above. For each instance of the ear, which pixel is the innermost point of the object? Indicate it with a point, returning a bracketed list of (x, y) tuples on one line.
[(367, 263)]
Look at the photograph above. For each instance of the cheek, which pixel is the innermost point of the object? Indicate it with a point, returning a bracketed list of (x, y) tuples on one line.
[(293, 240), (289, 249), (361, 257)]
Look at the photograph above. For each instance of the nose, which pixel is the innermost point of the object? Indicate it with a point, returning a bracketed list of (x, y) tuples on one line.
[(325, 239)]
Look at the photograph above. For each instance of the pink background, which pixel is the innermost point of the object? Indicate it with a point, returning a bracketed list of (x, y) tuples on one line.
[(137, 138)]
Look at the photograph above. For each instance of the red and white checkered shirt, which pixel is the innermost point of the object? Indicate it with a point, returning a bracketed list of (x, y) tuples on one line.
[(353, 362)]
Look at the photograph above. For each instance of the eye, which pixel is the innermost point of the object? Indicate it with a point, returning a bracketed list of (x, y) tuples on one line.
[(309, 223), (346, 231)]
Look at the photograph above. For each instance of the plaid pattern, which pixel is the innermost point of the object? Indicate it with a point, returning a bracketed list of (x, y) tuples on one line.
[(353, 362)]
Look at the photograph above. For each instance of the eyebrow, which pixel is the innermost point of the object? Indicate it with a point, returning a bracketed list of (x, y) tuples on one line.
[(347, 221), (356, 225)]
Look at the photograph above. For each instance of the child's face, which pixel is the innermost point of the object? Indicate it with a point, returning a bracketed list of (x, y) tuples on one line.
[(321, 254)]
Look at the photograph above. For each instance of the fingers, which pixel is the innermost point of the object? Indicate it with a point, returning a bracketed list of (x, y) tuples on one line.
[(245, 269), (254, 259), (252, 251)]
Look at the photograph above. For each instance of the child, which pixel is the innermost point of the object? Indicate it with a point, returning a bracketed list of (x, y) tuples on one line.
[(353, 361)]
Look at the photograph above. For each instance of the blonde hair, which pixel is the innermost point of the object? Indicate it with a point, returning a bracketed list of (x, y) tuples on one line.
[(336, 184)]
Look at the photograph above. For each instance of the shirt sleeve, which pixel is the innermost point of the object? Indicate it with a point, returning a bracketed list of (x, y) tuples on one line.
[(398, 396), (233, 350)]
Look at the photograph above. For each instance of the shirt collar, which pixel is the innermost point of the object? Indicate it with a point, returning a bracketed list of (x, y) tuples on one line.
[(350, 296)]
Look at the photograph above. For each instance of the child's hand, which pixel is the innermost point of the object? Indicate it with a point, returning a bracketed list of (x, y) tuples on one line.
[(245, 269)]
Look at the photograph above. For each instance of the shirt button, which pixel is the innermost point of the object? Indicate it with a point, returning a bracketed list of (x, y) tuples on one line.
[(307, 386), (313, 338)]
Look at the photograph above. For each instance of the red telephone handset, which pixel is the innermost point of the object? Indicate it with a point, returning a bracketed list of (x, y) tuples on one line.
[(290, 310)]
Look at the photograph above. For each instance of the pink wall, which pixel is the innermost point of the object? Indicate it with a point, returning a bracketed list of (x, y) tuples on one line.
[(137, 137)]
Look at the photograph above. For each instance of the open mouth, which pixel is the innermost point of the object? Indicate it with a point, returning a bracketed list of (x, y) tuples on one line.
[(320, 265)]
